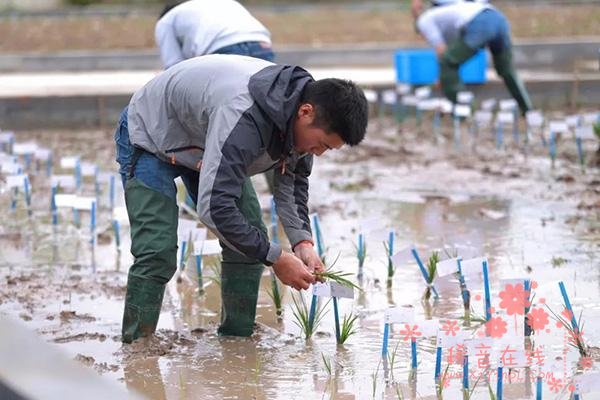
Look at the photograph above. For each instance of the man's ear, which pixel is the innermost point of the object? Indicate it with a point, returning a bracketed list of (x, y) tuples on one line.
[(306, 110)]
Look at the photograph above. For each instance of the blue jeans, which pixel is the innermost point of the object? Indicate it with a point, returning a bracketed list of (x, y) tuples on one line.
[(149, 169), (251, 49), (489, 28)]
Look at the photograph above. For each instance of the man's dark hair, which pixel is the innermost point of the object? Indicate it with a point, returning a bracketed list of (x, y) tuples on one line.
[(340, 107)]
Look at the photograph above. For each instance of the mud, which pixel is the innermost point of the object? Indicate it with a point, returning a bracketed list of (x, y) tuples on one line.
[(530, 219)]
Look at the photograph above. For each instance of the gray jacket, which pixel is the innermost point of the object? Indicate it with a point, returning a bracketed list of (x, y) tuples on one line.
[(229, 117)]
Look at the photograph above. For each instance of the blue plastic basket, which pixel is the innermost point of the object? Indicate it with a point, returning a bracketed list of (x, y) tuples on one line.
[(420, 67)]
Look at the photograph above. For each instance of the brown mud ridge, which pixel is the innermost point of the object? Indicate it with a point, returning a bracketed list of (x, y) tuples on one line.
[(164, 341)]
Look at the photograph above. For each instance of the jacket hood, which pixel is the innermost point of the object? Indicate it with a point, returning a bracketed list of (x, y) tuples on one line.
[(277, 90)]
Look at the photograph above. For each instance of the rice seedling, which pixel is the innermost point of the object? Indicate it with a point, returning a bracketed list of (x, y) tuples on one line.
[(214, 265), (374, 377), (348, 328), (338, 277), (440, 385), (431, 271), (327, 364), (392, 360), (575, 335), (390, 264), (302, 316), (276, 295)]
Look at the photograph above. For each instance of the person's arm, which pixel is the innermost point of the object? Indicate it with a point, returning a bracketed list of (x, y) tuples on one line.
[(429, 29), (291, 198), (222, 174), (416, 8), (168, 45)]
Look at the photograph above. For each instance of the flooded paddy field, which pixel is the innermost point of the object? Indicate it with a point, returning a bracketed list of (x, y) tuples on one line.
[(531, 220)]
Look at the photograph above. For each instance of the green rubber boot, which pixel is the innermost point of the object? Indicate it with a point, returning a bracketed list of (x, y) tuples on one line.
[(456, 54), (153, 220), (240, 275), (504, 68)]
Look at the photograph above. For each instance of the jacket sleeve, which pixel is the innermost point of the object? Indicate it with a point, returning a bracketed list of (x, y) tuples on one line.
[(291, 199), (428, 27), (233, 142), (169, 46)]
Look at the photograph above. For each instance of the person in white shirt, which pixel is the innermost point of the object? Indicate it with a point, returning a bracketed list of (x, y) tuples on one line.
[(416, 6), (457, 31), (199, 27)]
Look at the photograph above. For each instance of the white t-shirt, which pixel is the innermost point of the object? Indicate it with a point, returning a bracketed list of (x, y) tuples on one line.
[(198, 27)]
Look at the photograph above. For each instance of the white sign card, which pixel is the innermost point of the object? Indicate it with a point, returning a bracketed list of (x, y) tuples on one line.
[(447, 267), (465, 97), (88, 169), (25, 148), (472, 266), (83, 203), (321, 289), (446, 106), (69, 162), (409, 100), (446, 340), (341, 291), (389, 97), (535, 118), (368, 224), (42, 154), (403, 88), (585, 132), (398, 315), (64, 181), (573, 120), (7, 137), (423, 92), (508, 105), (588, 382), (104, 177), (483, 117), (15, 181), (488, 104), (403, 257), (505, 117), (462, 110), (557, 126), (429, 104), (64, 200), (11, 168), (185, 227), (211, 247), (591, 118), (120, 214), (370, 95)]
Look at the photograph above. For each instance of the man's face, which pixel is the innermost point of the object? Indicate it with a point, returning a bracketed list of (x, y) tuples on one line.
[(310, 139)]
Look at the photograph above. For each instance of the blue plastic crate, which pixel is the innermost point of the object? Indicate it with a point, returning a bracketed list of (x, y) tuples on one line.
[(420, 67)]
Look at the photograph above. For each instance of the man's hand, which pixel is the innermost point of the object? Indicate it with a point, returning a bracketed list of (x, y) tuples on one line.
[(306, 252), (440, 49), (291, 271), (416, 8)]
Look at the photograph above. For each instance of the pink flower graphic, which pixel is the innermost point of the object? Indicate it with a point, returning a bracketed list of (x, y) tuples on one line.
[(450, 327), (410, 332), (555, 384), (495, 327), (514, 299), (537, 319)]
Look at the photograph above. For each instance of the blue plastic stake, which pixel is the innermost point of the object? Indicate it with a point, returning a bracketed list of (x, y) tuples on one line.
[(76, 219), (499, 384), (336, 316), (413, 352), (456, 132), (96, 183), (386, 334), (274, 233), (117, 229), (53, 208), (49, 165), (552, 147), (465, 372), (199, 272), (563, 291), (580, 151), (182, 254), (361, 252), (423, 271), (438, 363), (576, 395), (320, 248), (93, 223), (78, 174), (27, 161), (463, 286), (13, 201), (436, 125), (527, 288), (538, 388), (486, 288), (27, 190), (111, 193), (499, 136)]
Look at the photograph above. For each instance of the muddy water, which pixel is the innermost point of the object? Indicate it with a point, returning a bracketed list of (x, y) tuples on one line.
[(531, 221)]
